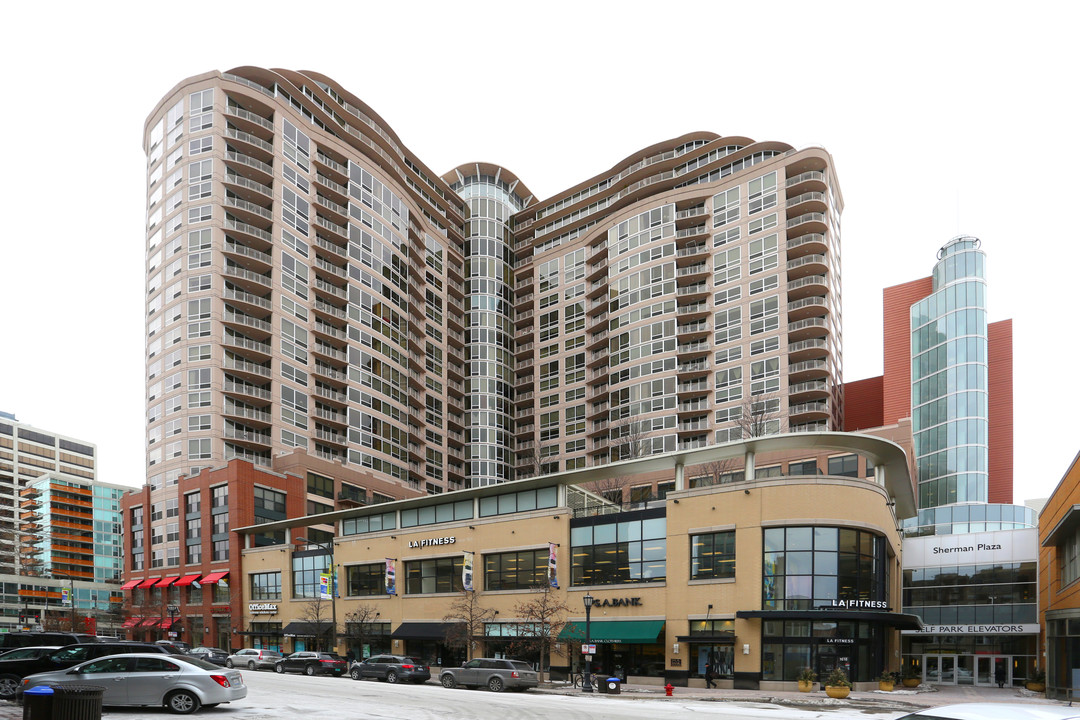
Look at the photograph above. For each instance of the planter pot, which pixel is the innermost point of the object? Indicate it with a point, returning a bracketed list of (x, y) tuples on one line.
[(805, 686), (912, 682), (837, 691), (885, 686), (1036, 687)]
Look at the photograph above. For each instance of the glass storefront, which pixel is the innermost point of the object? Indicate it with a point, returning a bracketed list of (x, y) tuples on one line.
[(970, 659), (788, 646)]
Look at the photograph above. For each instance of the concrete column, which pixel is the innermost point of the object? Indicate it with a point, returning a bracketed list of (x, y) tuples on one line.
[(680, 477), (748, 464), (879, 475)]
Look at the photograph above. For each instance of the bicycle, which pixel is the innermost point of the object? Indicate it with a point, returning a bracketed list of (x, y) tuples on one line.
[(576, 679)]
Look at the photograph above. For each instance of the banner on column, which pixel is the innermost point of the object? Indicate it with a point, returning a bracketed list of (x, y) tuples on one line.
[(466, 572), (553, 575), (391, 581)]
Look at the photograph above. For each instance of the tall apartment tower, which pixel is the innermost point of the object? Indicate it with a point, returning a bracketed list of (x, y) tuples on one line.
[(28, 453), (312, 285)]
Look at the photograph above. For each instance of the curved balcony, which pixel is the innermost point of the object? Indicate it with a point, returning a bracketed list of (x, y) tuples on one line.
[(812, 201), (688, 369), (341, 231), (808, 307), (695, 311), (808, 370), (247, 370), (693, 273), (329, 351), (596, 306), (809, 181), (694, 349), (248, 189), (339, 191), (247, 347), (597, 340), (691, 331), (597, 269), (328, 436), (808, 328), (259, 440), (249, 233), (808, 244), (698, 232), (249, 167), (248, 120), (250, 258), (808, 349), (245, 390), (807, 265), (239, 297), (694, 293), (692, 388), (809, 390), (249, 414), (809, 411), (695, 406), (692, 254), (597, 359), (807, 286), (330, 395), (247, 323), (332, 165), (334, 249), (341, 212), (321, 286), (693, 426)]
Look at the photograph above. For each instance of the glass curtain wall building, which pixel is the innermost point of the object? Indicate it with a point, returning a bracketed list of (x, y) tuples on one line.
[(949, 382)]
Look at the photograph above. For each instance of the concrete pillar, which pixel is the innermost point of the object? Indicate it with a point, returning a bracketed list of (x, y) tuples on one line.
[(680, 477), (748, 465)]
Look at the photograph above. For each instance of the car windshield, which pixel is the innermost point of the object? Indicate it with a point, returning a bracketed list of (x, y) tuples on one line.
[(414, 661)]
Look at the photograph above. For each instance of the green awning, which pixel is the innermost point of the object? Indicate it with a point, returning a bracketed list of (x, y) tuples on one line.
[(614, 631)]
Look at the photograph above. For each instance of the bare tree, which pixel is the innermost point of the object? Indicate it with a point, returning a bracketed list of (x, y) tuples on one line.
[(531, 461), (468, 617), (760, 416), (360, 626), (316, 611), (713, 471), (628, 440), (542, 619)]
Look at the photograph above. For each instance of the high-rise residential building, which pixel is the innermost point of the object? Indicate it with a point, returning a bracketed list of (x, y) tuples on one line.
[(71, 545), (27, 453), (312, 284), (970, 557)]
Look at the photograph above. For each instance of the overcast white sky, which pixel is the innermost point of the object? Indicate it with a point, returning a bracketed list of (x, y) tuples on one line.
[(942, 117)]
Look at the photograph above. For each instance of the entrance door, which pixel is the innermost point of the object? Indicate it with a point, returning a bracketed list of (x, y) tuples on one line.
[(940, 669), (992, 669)]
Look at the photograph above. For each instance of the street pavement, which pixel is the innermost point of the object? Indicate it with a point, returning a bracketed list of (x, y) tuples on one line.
[(273, 696)]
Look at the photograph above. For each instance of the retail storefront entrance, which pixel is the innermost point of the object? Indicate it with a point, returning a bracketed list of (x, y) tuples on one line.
[(983, 670)]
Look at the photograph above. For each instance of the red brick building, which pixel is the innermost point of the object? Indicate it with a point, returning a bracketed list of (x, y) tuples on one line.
[(188, 594)]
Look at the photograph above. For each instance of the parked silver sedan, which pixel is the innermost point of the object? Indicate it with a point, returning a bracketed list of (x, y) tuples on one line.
[(179, 683)]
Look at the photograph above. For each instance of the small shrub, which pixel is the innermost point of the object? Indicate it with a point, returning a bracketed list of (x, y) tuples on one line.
[(837, 678)]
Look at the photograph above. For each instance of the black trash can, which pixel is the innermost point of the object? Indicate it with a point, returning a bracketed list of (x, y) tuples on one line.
[(613, 685), (38, 703), (77, 702)]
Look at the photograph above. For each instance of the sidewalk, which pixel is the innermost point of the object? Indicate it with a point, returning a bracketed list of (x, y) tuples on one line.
[(904, 699)]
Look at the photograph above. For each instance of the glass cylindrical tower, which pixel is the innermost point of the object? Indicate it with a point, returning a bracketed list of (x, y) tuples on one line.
[(949, 379), (489, 322)]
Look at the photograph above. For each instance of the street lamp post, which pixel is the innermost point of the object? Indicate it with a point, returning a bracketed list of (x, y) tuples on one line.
[(586, 679), (71, 594), (333, 577)]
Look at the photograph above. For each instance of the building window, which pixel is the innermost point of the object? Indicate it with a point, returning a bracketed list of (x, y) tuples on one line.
[(266, 586), (319, 485), (844, 466), (438, 575), (515, 570), (612, 552), (219, 496), (712, 556), (306, 571), (365, 580), (808, 567), (220, 550)]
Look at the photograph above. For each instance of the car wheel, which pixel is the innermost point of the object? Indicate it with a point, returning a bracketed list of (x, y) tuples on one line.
[(391, 677), (182, 702), (279, 668), (496, 684), (251, 665), (355, 674), (8, 685), (228, 663), (309, 670), (449, 682)]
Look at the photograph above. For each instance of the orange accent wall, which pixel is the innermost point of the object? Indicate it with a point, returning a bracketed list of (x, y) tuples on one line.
[(864, 404), (1000, 387), (896, 392), (1052, 596)]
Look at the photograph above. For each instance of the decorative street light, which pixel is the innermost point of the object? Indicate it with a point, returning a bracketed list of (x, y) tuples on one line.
[(71, 594), (586, 680), (333, 595)]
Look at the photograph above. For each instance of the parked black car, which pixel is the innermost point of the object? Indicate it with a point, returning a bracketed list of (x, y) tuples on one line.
[(59, 639), (392, 669), (312, 663), (13, 671), (209, 654)]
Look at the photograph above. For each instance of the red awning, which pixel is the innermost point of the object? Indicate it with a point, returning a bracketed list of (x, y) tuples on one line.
[(132, 622), (167, 623), (148, 583), (130, 584), (150, 622), (165, 582), (187, 579), (214, 577)]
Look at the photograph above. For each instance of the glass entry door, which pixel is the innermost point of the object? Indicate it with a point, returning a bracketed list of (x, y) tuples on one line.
[(992, 669), (940, 669)]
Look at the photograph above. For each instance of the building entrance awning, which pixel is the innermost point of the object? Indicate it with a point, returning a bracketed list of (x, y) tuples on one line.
[(614, 631), (132, 622), (188, 579), (306, 629), (422, 630), (900, 621), (130, 584)]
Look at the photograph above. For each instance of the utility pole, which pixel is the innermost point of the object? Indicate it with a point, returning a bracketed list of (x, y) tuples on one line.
[(71, 594)]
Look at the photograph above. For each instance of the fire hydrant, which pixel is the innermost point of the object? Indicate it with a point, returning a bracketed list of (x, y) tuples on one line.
[(668, 688)]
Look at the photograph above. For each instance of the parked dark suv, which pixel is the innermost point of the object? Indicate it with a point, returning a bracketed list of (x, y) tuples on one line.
[(59, 639), (496, 674), (312, 663), (392, 669), (13, 671)]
